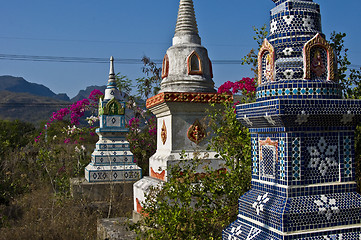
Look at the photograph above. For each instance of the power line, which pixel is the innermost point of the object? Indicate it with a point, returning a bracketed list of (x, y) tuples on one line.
[(82, 40), (34, 58), (24, 104)]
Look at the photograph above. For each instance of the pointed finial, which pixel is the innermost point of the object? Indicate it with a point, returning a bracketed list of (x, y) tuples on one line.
[(111, 71), (111, 80), (186, 21), (186, 30)]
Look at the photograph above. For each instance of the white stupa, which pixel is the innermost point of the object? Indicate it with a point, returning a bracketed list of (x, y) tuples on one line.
[(187, 89)]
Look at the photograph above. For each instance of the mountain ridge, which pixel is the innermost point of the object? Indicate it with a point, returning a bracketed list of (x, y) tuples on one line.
[(20, 85), (32, 102)]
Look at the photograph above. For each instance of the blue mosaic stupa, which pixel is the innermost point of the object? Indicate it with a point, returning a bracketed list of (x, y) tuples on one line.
[(112, 159), (302, 133)]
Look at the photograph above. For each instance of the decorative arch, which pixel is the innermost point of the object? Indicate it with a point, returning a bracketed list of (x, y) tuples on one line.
[(165, 68), (194, 64), (320, 42), (268, 152), (265, 49), (113, 107)]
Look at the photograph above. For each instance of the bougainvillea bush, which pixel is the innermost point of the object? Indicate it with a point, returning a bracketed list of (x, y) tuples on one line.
[(143, 139)]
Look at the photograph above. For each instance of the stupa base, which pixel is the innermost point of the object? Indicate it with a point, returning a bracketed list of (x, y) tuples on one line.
[(246, 229)]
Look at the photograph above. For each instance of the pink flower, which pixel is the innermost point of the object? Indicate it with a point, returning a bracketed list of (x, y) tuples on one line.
[(95, 95), (59, 115), (226, 87), (245, 85), (77, 110), (134, 123)]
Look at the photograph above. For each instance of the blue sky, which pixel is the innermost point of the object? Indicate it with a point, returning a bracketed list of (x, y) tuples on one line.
[(131, 29)]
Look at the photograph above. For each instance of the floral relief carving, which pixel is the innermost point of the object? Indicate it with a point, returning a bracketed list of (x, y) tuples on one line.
[(163, 133), (196, 133)]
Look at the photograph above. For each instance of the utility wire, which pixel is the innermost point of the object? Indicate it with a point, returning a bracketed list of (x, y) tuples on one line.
[(90, 60), (34, 58)]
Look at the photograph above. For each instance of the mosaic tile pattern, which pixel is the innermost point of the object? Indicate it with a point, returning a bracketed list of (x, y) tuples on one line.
[(320, 211), (112, 159), (297, 113), (321, 158), (304, 186), (301, 90), (347, 156), (249, 230), (296, 159), (282, 158), (254, 156), (292, 24), (268, 161)]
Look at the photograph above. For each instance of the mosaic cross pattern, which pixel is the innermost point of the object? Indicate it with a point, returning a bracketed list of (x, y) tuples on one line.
[(302, 137)]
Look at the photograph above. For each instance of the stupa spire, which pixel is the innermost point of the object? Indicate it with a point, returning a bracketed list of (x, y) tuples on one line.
[(186, 30), (111, 80), (112, 91), (186, 21)]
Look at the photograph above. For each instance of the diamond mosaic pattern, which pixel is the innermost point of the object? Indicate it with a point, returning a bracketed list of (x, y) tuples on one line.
[(114, 121), (254, 156), (282, 159), (296, 159), (268, 161)]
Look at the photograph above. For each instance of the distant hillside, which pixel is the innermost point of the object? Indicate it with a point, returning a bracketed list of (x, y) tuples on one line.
[(32, 102), (20, 85), (28, 107), (85, 93)]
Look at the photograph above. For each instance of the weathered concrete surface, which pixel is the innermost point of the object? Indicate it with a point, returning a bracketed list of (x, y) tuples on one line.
[(114, 229), (104, 193)]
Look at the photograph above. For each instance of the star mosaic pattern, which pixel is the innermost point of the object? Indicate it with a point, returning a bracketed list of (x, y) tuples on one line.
[(321, 159), (327, 206)]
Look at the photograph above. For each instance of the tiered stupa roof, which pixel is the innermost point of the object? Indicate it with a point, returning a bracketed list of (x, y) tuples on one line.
[(186, 66)]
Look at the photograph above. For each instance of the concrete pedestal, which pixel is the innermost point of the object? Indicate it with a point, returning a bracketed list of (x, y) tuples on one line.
[(183, 134), (101, 193), (114, 229)]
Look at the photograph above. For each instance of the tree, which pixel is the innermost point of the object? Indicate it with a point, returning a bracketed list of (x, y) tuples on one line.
[(348, 77), (151, 83), (252, 57)]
